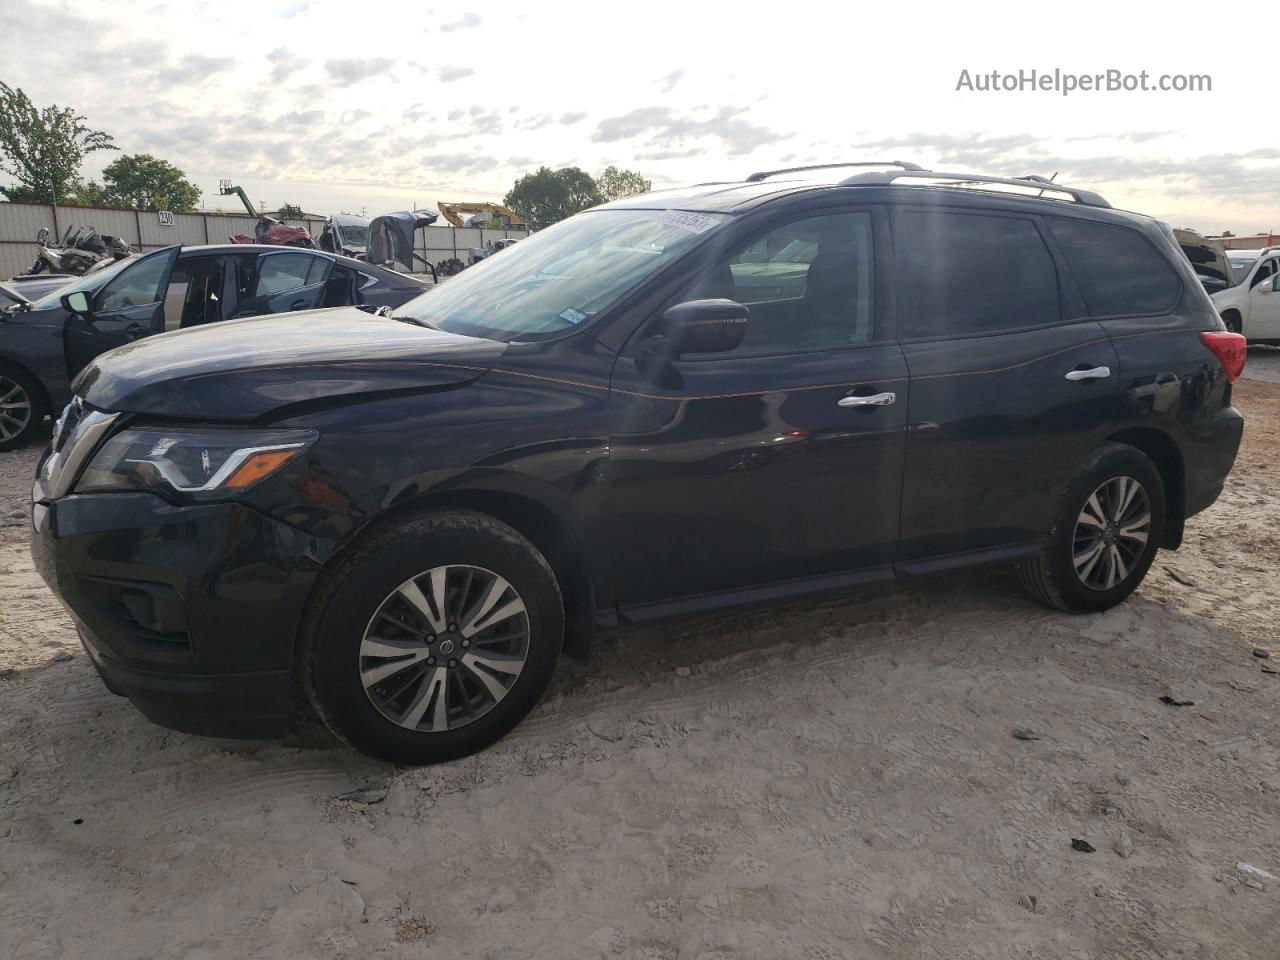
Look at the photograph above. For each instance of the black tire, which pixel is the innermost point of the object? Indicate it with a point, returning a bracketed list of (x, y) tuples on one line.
[(359, 589), (1053, 577), (1232, 321), (28, 391)]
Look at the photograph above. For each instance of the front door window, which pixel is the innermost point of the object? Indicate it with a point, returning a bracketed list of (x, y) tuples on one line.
[(809, 284)]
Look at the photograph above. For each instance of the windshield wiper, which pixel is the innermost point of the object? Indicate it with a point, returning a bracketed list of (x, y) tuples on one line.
[(416, 321)]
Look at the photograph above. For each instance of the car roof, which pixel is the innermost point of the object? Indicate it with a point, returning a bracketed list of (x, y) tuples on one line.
[(737, 197), (712, 197), (226, 248)]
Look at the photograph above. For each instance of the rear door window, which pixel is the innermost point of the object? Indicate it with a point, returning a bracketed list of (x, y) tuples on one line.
[(1118, 271), (280, 272), (969, 273)]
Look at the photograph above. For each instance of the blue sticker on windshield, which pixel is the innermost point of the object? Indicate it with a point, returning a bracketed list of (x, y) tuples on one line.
[(572, 316)]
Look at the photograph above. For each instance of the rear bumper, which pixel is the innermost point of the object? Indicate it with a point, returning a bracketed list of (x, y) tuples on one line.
[(1209, 454), (189, 611)]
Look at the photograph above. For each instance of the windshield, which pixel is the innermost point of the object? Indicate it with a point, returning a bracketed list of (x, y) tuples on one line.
[(561, 277), (354, 233), (1240, 266), (90, 282)]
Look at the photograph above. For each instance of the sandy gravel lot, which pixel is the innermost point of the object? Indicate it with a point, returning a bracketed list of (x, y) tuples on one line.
[(839, 781)]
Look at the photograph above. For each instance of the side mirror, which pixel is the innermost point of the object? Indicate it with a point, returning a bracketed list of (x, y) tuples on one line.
[(705, 326), (1268, 285), (42, 235), (77, 302), (1275, 283)]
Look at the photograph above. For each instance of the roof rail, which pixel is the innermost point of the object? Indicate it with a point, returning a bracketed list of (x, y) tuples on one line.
[(766, 174), (885, 178)]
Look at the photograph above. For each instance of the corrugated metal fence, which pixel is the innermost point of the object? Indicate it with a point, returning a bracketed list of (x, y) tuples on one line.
[(144, 231)]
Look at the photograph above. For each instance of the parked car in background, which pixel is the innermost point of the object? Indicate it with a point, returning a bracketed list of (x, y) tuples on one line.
[(677, 402), (346, 234), (1251, 306), (497, 246), (45, 342)]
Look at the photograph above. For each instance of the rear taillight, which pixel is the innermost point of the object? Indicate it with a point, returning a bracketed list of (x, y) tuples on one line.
[(1231, 349)]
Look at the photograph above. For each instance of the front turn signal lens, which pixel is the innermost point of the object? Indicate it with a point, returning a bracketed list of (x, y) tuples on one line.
[(259, 466)]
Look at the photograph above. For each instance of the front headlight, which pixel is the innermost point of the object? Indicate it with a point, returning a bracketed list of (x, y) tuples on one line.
[(206, 463)]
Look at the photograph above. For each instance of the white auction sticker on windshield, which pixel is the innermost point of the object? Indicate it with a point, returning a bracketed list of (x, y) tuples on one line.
[(572, 316), (693, 222)]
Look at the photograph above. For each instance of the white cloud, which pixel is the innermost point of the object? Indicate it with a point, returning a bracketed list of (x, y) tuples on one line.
[(469, 21), (668, 83), (348, 70), (450, 74)]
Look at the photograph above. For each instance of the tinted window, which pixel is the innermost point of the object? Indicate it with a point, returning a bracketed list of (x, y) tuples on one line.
[(287, 271), (1265, 272), (809, 284), (1117, 270), (969, 273), (134, 286)]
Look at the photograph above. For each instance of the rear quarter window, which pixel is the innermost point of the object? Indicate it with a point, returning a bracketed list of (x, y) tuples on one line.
[(1117, 270)]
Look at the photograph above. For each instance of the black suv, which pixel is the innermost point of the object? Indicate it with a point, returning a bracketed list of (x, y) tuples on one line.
[(735, 393)]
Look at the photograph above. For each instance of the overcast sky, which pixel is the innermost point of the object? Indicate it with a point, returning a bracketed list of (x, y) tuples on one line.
[(356, 105)]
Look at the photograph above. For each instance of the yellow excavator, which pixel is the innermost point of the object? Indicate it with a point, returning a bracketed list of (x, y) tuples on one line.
[(451, 211)]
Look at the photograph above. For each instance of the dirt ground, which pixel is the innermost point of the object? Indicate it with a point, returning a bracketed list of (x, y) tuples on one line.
[(832, 781)]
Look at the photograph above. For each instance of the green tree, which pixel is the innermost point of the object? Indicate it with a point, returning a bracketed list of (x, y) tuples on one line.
[(614, 184), (1226, 233), (144, 182), (43, 149), (549, 196), (290, 211)]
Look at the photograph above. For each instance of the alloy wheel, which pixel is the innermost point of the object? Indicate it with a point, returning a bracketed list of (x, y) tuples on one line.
[(444, 648), (1111, 533), (15, 408)]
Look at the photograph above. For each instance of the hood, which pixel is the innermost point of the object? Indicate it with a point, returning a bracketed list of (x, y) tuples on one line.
[(391, 237), (242, 369), (10, 296), (1208, 258), (35, 287)]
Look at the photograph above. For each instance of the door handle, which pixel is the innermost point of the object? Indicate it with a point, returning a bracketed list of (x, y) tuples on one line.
[(298, 305), (1093, 373), (875, 400), (135, 330)]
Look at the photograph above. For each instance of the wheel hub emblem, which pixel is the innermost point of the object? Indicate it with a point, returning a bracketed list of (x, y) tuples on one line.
[(446, 646)]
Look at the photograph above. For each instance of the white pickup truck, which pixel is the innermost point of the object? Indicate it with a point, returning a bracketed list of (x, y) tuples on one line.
[(1251, 305)]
